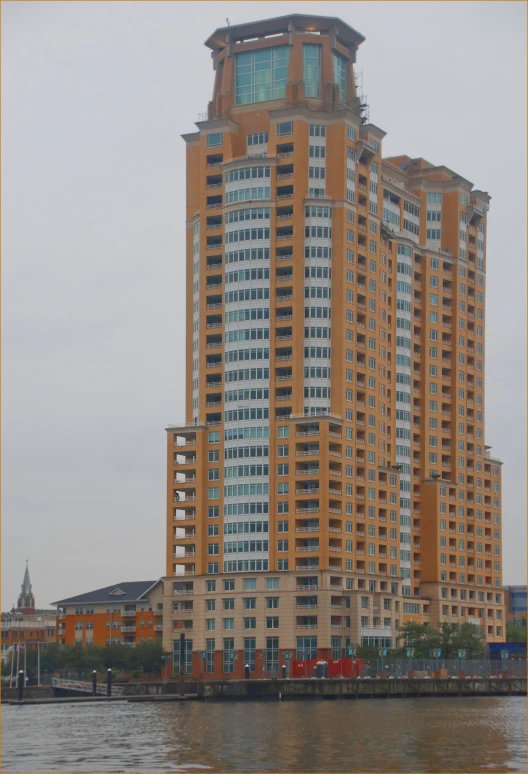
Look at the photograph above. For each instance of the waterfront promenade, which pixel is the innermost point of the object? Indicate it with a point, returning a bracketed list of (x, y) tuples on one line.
[(286, 689)]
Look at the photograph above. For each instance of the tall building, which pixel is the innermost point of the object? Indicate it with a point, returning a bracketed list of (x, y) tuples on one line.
[(26, 627), (331, 479)]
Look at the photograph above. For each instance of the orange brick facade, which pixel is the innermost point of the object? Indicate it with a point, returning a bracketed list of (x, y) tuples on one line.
[(117, 620)]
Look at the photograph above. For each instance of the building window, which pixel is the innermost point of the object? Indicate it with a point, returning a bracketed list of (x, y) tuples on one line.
[(187, 656), (340, 77), (215, 139), (272, 655), (261, 75), (209, 655), (228, 655), (306, 648), (312, 70), (336, 647), (257, 139), (249, 652), (284, 129)]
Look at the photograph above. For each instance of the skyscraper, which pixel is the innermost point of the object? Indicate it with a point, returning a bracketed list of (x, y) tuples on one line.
[(331, 479)]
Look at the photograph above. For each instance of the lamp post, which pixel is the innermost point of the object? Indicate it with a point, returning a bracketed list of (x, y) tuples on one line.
[(410, 654), (21, 684), (182, 663), (383, 653), (12, 665), (351, 652)]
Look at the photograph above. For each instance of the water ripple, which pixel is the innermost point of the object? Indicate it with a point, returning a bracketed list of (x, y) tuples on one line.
[(398, 735)]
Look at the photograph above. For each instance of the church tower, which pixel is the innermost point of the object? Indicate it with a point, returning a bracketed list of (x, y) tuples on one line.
[(26, 599)]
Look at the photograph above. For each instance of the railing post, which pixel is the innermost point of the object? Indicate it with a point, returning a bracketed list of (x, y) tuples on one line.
[(21, 683)]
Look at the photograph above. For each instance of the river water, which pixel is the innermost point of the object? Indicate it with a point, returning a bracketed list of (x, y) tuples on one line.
[(381, 735)]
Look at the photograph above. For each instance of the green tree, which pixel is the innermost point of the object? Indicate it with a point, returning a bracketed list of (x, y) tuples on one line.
[(444, 638), (150, 657), (370, 652), (469, 638), (516, 632), (93, 658), (51, 658), (115, 656), (419, 637)]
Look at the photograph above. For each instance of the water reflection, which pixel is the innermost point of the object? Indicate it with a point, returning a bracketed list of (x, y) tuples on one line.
[(422, 735)]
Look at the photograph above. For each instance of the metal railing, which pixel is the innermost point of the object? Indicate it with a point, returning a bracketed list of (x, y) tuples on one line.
[(470, 667)]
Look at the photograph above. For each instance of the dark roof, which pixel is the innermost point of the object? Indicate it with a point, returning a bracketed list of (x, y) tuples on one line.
[(347, 34), (133, 591)]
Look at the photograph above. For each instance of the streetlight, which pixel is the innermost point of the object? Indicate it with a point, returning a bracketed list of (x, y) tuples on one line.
[(410, 654), (435, 653), (383, 653), (504, 656), (351, 652), (21, 683)]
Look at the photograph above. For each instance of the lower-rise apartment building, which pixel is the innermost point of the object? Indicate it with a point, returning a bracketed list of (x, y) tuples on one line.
[(128, 613)]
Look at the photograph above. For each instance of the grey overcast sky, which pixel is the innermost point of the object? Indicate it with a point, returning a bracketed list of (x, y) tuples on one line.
[(95, 97)]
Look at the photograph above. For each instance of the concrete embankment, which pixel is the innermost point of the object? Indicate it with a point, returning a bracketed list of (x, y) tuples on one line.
[(359, 689), (237, 690)]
